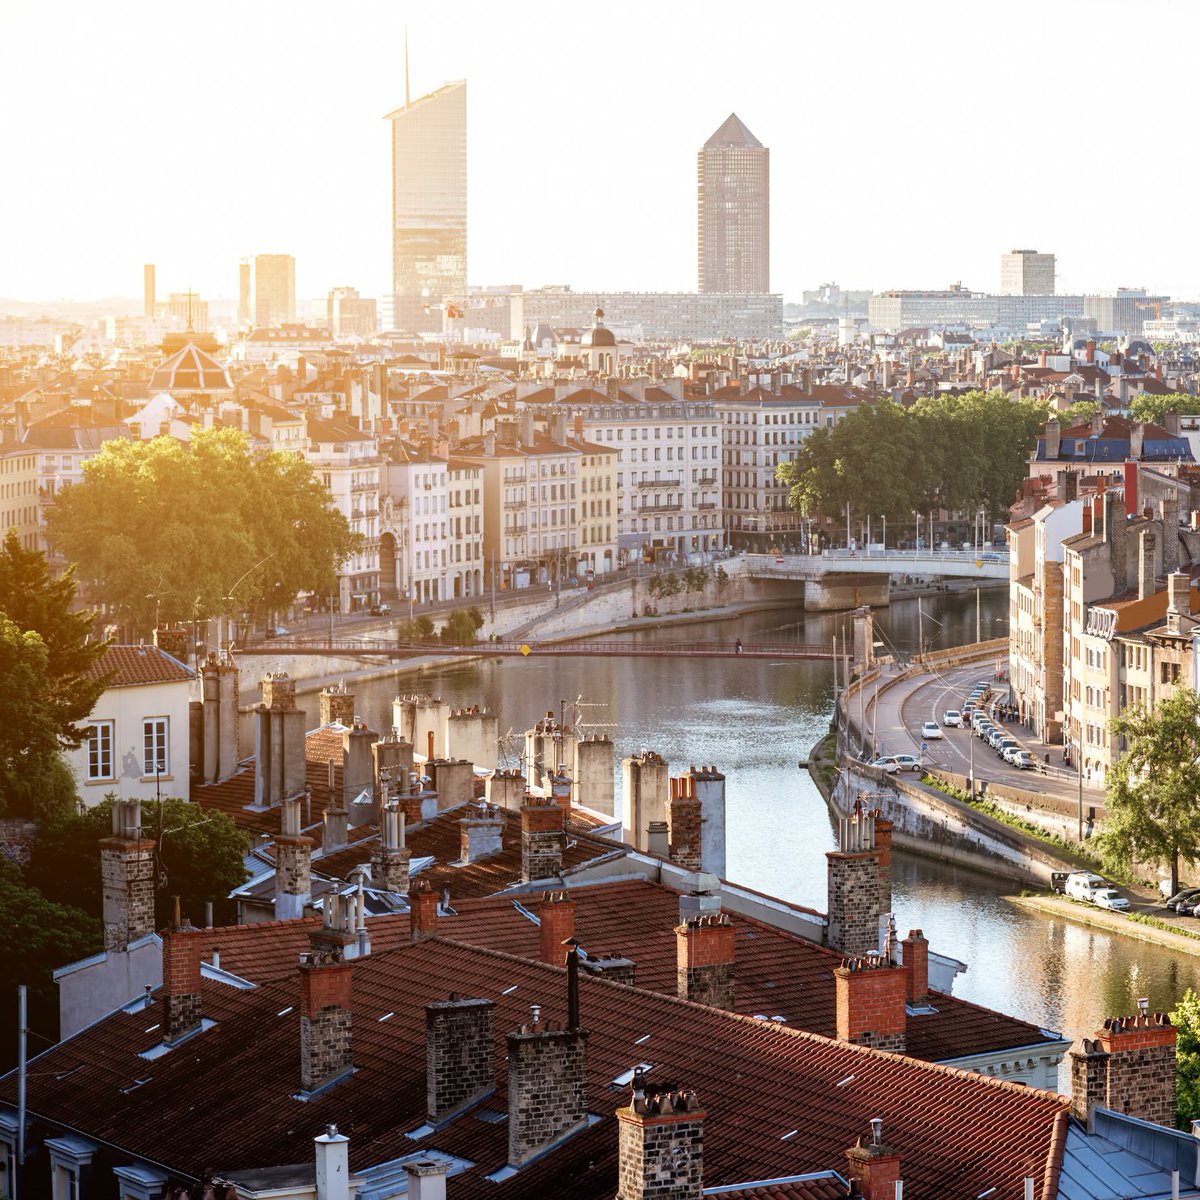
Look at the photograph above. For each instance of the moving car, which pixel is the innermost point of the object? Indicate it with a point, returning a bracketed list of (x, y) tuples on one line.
[(952, 718), (380, 610), (1109, 898), (930, 730), (891, 763)]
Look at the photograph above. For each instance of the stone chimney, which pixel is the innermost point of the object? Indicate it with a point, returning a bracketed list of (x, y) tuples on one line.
[(874, 1165), (391, 858), (1168, 511), (293, 864), (614, 967), (1053, 438), (333, 1165), (547, 1087), (393, 757), (854, 891), (481, 835), (422, 911), (453, 780), (181, 955), (557, 917), (127, 878), (916, 968), (1128, 1067), (505, 789), (325, 1017), (219, 687), (661, 1140), (358, 763), (1070, 482), (1171, 422), (1137, 435), (279, 742), (541, 839), (1146, 567), (704, 960), (883, 856), (593, 772), (426, 1178), (644, 779), (459, 1054), (871, 1003), (337, 828), (683, 824), (1179, 601), (337, 704)]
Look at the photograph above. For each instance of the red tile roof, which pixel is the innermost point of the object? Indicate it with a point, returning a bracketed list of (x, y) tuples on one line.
[(132, 666), (226, 1099)]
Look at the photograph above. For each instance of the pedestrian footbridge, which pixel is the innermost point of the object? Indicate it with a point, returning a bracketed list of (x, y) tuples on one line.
[(955, 564)]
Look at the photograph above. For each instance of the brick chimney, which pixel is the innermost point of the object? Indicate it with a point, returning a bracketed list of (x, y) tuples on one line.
[(704, 960), (325, 988), (337, 704), (883, 855), (391, 858), (127, 878), (557, 916), (423, 911), (1129, 1067), (181, 955), (459, 1055), (871, 1003), (661, 1145), (481, 835), (547, 1087), (293, 864), (854, 890), (874, 1165), (541, 839), (683, 824), (916, 968)]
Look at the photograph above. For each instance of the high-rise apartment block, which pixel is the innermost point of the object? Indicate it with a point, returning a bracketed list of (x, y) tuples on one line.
[(244, 292), (1026, 273), (429, 207), (274, 290), (148, 292), (733, 175), (347, 314)]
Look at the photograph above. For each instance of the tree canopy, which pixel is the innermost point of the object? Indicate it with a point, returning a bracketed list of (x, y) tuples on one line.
[(1152, 793), (199, 857), (954, 452), (165, 531), (1186, 1019), (1146, 407)]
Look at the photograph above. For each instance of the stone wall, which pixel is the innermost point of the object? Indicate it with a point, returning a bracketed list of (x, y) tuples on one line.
[(853, 898), (661, 1149)]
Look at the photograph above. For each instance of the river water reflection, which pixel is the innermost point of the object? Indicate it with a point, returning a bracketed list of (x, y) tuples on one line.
[(755, 720)]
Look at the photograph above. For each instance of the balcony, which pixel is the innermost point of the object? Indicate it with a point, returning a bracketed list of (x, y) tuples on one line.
[(513, 480), (514, 505), (704, 504), (659, 483), (707, 481)]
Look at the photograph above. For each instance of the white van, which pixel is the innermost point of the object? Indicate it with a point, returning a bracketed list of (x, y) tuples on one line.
[(1081, 884)]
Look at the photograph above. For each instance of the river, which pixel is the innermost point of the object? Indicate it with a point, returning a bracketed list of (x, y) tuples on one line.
[(755, 720)]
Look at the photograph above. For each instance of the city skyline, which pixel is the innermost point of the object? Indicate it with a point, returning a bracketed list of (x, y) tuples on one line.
[(882, 175)]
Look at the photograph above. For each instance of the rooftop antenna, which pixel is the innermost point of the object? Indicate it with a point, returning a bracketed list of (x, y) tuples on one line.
[(406, 98)]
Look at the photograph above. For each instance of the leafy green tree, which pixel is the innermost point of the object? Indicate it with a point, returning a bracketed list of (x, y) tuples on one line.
[(199, 857), (34, 600), (164, 531), (37, 936), (1078, 413), (1186, 1019), (1155, 408), (462, 626), (1152, 793)]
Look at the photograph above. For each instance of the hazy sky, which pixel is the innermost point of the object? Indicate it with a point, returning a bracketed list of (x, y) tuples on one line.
[(911, 143)]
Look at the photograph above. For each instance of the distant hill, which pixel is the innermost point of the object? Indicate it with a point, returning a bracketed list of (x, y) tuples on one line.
[(71, 310)]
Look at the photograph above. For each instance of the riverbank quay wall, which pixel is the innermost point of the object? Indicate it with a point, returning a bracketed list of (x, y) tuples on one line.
[(931, 823)]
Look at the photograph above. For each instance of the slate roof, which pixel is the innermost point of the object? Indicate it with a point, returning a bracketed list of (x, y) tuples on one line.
[(732, 132), (226, 1098), (190, 370), (133, 666)]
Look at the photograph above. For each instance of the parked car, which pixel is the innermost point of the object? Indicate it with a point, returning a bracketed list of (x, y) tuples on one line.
[(1006, 746), (1109, 898), (952, 718), (968, 711), (996, 736), (1184, 900), (381, 610), (930, 731), (1081, 884), (892, 763), (1024, 760), (888, 763)]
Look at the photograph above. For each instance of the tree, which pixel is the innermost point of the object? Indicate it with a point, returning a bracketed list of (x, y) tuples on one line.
[(37, 602), (199, 857), (1186, 1019), (1152, 793), (36, 937), (164, 531), (1146, 407), (462, 626)]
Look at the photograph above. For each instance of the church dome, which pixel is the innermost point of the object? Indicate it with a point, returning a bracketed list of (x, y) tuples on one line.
[(599, 334)]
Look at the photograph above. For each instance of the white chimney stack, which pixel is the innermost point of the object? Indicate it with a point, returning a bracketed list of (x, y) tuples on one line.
[(426, 1179), (333, 1165)]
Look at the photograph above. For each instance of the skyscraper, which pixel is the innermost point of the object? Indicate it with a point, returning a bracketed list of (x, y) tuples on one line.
[(1026, 273), (733, 179), (274, 290), (429, 206), (149, 295), (244, 292)]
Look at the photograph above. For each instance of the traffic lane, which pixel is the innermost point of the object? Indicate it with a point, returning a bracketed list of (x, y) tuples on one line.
[(906, 705)]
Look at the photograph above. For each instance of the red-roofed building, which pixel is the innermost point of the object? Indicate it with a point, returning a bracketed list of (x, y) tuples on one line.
[(138, 743)]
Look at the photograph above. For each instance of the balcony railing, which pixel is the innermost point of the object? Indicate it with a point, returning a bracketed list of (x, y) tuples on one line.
[(659, 483)]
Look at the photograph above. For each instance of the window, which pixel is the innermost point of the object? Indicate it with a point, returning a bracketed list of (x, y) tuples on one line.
[(100, 750), (155, 755)]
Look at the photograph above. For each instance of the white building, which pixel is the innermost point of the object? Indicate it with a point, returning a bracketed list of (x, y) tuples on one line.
[(138, 733)]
